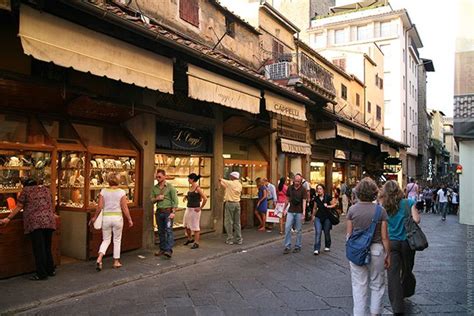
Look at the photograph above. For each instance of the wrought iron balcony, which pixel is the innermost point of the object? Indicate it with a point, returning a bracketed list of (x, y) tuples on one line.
[(300, 70)]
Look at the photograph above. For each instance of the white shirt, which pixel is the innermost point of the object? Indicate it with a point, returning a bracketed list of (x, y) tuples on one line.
[(112, 199), (442, 198)]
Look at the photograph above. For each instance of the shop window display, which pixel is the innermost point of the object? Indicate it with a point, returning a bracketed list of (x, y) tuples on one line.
[(101, 165), (16, 166), (71, 179), (177, 168), (249, 170), (354, 174), (317, 173)]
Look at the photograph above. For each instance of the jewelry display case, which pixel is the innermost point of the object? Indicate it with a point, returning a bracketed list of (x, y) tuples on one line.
[(249, 171), (15, 166), (25, 151), (71, 179), (101, 166), (177, 168)]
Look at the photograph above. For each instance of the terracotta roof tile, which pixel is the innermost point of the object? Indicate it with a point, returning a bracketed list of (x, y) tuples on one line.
[(182, 39)]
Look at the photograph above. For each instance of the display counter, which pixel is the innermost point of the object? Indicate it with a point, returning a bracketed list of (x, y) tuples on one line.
[(15, 247)]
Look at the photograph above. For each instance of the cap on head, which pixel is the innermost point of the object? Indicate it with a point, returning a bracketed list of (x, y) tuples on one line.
[(235, 174)]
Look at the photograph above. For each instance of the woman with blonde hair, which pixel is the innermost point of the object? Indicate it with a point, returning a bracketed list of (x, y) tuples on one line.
[(368, 281), (113, 204), (401, 281)]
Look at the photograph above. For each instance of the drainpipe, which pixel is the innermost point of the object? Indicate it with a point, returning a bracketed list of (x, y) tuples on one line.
[(406, 87), (365, 91)]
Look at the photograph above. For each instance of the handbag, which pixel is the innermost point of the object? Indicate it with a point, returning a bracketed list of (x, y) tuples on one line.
[(415, 236), (98, 221), (334, 216), (358, 244)]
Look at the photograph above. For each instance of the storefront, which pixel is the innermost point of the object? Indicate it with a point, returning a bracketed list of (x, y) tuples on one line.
[(61, 122), (73, 159), (25, 151), (182, 149), (291, 149)]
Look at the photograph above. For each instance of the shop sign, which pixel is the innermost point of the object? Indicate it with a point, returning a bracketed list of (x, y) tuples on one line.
[(186, 138), (280, 105), (393, 168), (340, 154), (296, 135), (430, 170), (182, 138)]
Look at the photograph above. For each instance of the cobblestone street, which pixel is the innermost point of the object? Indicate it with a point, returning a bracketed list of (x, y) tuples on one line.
[(263, 281)]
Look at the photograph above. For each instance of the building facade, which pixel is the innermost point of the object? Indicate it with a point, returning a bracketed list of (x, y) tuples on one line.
[(397, 37), (424, 161), (464, 107)]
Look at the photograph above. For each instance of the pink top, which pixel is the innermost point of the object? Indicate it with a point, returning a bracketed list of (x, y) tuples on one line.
[(37, 208), (281, 195)]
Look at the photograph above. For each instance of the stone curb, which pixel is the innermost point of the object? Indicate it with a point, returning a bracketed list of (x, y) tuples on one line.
[(140, 276)]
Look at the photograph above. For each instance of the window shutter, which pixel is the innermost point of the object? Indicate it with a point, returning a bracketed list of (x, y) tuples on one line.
[(189, 11)]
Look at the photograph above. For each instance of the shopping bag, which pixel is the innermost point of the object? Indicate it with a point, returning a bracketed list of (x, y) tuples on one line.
[(272, 217), (280, 209)]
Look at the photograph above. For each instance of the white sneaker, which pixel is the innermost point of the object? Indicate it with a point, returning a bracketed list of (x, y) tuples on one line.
[(316, 252), (327, 249)]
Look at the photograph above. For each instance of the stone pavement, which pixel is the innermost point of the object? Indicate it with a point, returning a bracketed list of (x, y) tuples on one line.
[(248, 280)]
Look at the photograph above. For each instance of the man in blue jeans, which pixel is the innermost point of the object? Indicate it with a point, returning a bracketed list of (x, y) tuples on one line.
[(166, 199), (297, 196)]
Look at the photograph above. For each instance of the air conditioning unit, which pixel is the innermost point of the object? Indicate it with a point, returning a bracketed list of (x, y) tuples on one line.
[(278, 71)]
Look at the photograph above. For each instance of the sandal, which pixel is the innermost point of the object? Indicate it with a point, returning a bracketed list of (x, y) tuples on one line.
[(98, 266), (117, 265), (195, 246), (189, 241)]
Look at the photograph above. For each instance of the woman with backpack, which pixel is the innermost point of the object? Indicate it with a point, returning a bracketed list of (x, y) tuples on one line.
[(401, 281), (369, 280)]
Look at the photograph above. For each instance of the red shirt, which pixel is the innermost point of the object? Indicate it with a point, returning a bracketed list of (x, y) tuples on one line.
[(37, 208)]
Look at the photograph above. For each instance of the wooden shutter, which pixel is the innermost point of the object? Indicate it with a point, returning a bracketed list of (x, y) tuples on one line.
[(189, 11)]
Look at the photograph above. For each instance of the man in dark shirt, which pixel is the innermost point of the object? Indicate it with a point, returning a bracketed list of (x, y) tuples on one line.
[(297, 196)]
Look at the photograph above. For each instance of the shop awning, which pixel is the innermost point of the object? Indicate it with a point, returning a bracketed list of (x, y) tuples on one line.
[(388, 149), (363, 137), (51, 39), (205, 85), (280, 105), (344, 131), (291, 146)]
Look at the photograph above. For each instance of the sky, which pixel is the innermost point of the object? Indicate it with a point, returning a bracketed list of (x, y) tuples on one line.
[(434, 20)]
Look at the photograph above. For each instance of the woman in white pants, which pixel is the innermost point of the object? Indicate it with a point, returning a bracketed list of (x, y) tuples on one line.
[(368, 281), (113, 203)]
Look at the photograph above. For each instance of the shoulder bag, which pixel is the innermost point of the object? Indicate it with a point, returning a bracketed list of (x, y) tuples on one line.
[(415, 236), (98, 221), (358, 244)]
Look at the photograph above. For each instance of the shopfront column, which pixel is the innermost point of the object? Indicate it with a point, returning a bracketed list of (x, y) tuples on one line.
[(143, 128), (218, 196), (274, 152)]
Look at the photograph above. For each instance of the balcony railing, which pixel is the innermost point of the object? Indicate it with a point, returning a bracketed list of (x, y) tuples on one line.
[(290, 66)]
